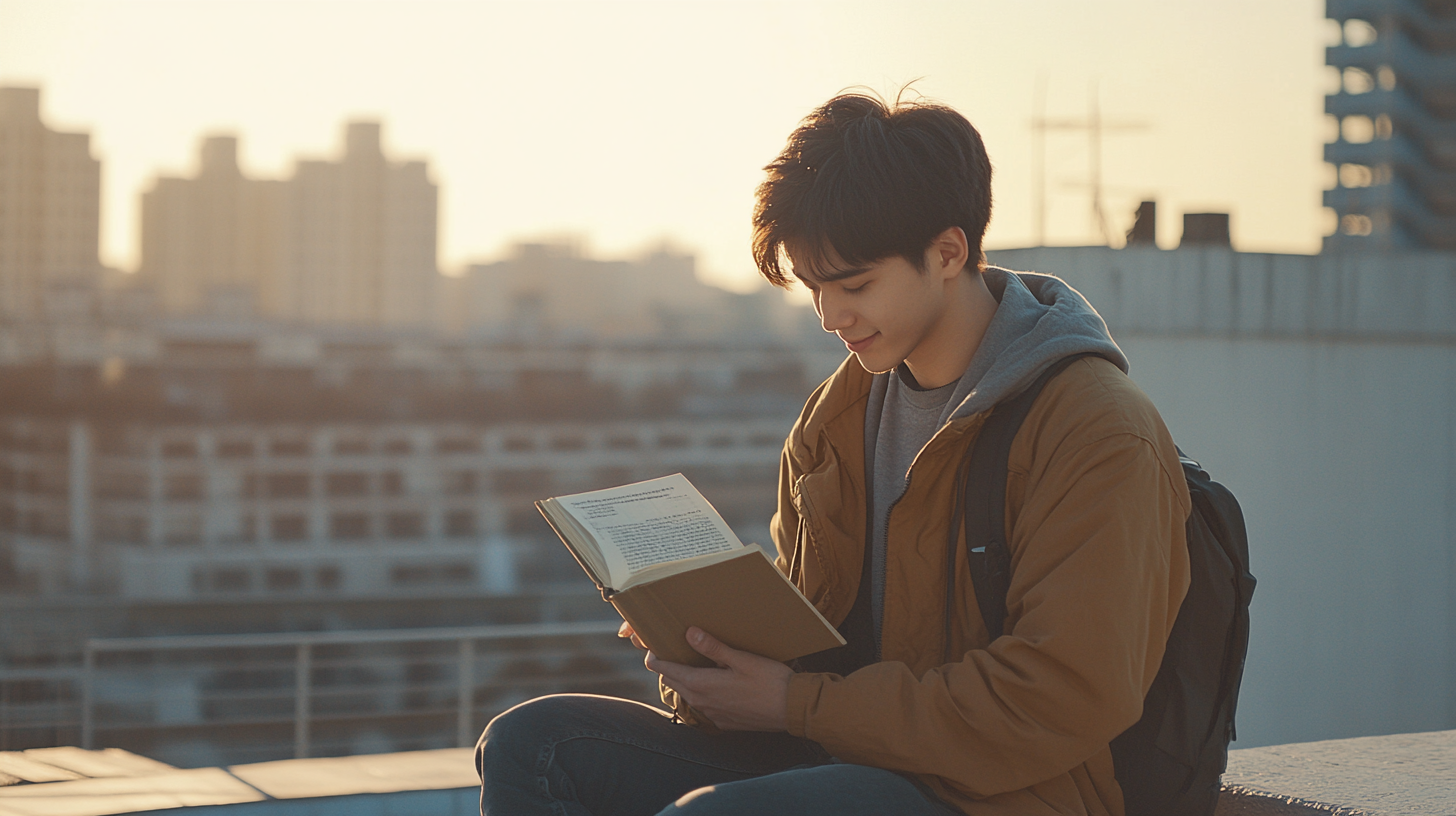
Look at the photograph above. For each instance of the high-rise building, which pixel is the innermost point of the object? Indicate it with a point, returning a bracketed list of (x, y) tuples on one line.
[(360, 237), (210, 244), (50, 206), (1394, 157), (347, 242)]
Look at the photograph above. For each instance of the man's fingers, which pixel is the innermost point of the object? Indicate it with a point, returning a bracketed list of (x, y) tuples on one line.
[(626, 631), (710, 647)]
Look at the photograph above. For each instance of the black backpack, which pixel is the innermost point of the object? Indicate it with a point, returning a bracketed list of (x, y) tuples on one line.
[(1169, 763)]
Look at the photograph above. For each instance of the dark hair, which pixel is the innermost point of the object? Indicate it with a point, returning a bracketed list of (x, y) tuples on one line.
[(870, 181)]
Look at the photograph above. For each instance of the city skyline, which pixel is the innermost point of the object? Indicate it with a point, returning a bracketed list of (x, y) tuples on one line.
[(539, 122)]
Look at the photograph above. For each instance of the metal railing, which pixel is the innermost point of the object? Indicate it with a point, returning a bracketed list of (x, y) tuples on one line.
[(410, 682)]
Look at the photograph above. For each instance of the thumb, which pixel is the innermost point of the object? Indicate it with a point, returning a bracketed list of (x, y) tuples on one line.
[(709, 646)]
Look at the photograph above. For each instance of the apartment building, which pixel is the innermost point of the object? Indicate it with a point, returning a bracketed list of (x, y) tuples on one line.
[(50, 207), (348, 241)]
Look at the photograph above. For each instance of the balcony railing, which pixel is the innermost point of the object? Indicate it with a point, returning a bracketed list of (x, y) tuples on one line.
[(249, 697)]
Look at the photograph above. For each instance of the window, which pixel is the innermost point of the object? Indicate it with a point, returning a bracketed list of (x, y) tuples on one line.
[(460, 523), (411, 574), (353, 483), (459, 572), (232, 579), (398, 447), (351, 446), (289, 527), (288, 485), (533, 480), (349, 526), (524, 521), (520, 444), (235, 448), (123, 529), (328, 577), (179, 449), (391, 483), (283, 579), (122, 484), (672, 440), (289, 447), (623, 442), (458, 444), (404, 525), (184, 486), (569, 442), (1355, 224), (461, 482)]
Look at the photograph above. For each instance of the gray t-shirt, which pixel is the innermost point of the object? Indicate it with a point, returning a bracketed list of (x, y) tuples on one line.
[(909, 416)]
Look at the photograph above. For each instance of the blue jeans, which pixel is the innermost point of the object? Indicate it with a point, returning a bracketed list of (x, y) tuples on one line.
[(579, 754)]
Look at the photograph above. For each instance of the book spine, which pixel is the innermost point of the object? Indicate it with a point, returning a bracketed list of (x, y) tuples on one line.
[(601, 587)]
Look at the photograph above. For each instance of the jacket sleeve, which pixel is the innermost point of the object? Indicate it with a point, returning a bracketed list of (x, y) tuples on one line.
[(1099, 570)]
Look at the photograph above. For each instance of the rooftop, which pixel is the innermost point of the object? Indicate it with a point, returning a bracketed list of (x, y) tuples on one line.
[(1398, 775)]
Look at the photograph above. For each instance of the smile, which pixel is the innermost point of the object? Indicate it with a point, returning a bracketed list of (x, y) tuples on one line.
[(857, 346)]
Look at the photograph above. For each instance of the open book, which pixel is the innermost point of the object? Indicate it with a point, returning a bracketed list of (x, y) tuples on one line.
[(666, 560)]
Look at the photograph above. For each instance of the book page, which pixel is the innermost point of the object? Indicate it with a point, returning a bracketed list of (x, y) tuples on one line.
[(648, 523)]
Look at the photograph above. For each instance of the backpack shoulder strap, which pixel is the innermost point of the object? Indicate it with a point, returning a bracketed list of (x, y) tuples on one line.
[(981, 504)]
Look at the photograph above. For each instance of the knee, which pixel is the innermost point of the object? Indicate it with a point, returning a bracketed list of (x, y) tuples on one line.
[(716, 800), (517, 734)]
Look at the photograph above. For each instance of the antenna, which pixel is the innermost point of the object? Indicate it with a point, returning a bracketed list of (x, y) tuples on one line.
[(1095, 127), (1038, 193)]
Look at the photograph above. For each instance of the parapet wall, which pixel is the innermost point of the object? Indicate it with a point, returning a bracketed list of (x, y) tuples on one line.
[(1398, 775), (1216, 291)]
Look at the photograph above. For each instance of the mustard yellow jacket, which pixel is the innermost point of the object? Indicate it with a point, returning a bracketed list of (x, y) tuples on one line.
[(1095, 511)]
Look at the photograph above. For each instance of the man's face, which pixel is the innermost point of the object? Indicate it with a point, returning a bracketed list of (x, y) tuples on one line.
[(884, 312)]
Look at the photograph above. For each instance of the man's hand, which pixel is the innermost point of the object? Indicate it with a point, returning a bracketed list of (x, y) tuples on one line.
[(626, 631), (746, 693)]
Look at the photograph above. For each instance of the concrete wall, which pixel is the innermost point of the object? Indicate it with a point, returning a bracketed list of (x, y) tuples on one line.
[(1322, 391)]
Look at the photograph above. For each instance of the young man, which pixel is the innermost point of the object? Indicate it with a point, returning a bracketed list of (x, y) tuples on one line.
[(880, 211)]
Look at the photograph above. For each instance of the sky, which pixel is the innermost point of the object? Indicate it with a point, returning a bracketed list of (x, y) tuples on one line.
[(627, 124)]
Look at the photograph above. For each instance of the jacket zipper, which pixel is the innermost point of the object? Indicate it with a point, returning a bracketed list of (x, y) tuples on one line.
[(882, 559)]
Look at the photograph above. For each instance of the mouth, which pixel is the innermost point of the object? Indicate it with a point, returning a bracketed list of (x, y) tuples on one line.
[(857, 346)]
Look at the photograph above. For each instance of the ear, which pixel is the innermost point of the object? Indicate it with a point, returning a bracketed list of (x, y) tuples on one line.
[(948, 253)]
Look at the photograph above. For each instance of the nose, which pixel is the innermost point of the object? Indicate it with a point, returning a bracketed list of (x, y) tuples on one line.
[(833, 314)]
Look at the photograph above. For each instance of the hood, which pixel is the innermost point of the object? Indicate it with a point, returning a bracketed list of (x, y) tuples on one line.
[(1039, 321)]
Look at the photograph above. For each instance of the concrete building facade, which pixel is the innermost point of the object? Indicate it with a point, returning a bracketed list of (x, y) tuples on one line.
[(1394, 156), (50, 208), (361, 238), (181, 512), (347, 242), (554, 292), (211, 244)]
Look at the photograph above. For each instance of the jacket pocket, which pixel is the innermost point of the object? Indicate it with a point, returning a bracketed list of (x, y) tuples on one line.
[(828, 542)]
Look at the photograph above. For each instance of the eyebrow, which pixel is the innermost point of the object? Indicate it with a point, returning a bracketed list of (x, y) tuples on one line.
[(836, 275)]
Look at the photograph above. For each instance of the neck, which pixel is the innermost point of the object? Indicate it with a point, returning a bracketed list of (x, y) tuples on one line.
[(946, 351)]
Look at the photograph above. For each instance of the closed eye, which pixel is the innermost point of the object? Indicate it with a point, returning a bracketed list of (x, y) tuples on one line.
[(856, 289)]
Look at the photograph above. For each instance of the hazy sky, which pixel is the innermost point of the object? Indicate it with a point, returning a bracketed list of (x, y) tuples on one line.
[(633, 122)]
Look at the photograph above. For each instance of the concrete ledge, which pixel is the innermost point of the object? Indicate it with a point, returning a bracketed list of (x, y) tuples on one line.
[(1398, 775)]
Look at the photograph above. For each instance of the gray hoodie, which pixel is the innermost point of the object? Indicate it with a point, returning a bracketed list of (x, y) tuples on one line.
[(1039, 321)]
